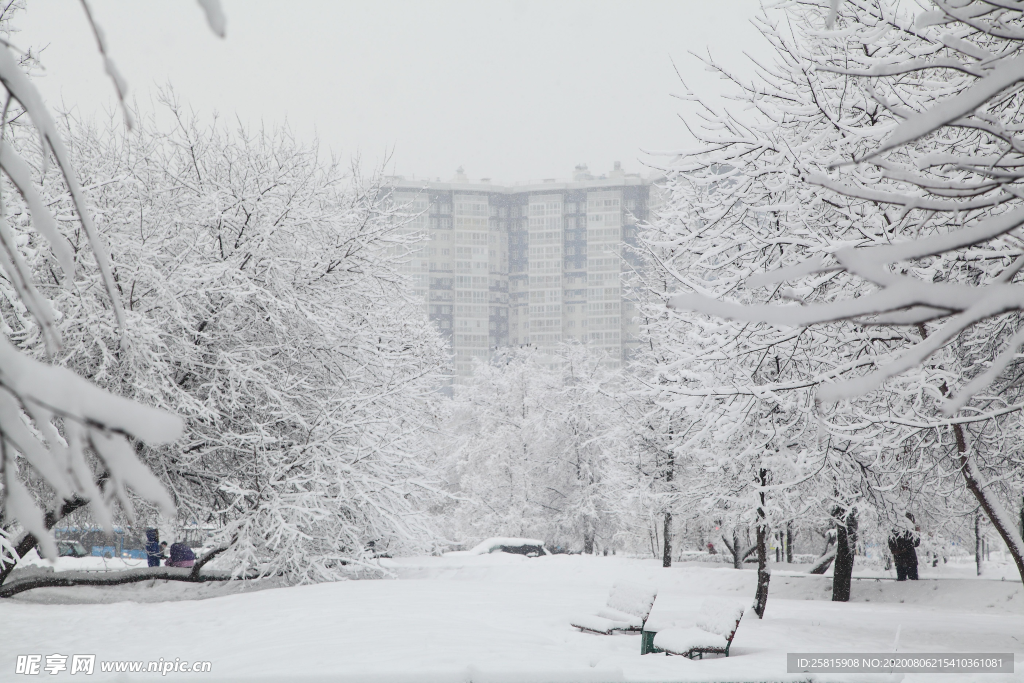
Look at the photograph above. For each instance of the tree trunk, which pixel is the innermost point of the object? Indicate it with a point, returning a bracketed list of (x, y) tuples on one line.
[(822, 564), (28, 541), (655, 540), (789, 542), (977, 542), (670, 475), (117, 578), (846, 541), (734, 549), (666, 556), (975, 481), (763, 573), (1002, 522), (1022, 516), (737, 551)]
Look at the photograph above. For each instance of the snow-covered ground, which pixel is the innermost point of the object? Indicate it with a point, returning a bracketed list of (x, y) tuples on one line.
[(505, 618)]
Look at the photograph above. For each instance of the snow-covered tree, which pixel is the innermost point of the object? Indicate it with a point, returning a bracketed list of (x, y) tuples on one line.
[(588, 417), (653, 498), (885, 145), (537, 436), (501, 435), (738, 205), (60, 433), (265, 304)]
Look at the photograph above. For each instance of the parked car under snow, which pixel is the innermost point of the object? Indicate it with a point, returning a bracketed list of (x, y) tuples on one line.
[(71, 549), (531, 547)]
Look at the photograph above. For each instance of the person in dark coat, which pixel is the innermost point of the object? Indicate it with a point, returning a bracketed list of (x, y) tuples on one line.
[(902, 545), (181, 556), (152, 548)]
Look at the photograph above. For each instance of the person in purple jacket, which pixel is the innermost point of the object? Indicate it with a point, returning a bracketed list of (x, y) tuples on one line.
[(181, 555)]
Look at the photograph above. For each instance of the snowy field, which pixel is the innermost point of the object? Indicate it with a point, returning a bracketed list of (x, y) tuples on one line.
[(504, 618)]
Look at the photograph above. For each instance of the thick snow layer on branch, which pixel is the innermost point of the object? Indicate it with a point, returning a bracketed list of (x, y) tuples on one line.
[(1005, 74), (215, 16), (19, 86), (18, 504), (42, 391), (18, 171), (66, 394)]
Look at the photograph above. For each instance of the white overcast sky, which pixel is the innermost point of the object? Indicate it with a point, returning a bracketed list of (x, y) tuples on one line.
[(511, 90)]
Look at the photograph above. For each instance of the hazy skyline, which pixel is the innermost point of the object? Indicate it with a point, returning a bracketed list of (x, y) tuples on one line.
[(508, 90)]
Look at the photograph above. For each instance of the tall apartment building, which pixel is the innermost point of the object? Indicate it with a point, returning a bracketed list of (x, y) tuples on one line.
[(527, 264)]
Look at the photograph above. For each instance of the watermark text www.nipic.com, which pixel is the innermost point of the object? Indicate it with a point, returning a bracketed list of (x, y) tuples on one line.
[(34, 665)]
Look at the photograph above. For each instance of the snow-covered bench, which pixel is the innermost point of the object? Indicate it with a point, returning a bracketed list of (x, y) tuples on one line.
[(716, 626), (629, 605)]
